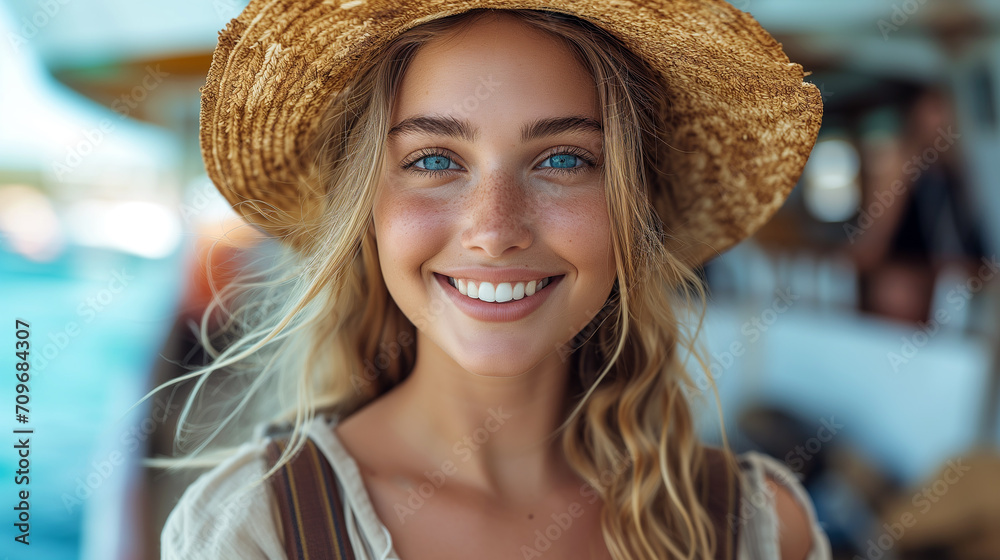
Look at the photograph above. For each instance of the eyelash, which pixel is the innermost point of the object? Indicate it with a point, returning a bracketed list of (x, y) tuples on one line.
[(429, 152)]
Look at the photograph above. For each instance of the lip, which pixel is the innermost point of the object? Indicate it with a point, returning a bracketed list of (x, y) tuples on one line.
[(497, 312)]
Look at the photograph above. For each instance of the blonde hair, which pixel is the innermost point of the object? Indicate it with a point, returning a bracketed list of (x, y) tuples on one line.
[(318, 329)]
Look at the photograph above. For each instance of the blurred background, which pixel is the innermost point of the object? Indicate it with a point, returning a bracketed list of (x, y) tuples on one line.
[(855, 338)]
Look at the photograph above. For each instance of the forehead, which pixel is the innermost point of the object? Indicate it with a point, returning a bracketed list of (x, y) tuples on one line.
[(496, 70)]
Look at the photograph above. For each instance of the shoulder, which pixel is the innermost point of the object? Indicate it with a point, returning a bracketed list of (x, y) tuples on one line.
[(776, 516), (223, 514), (794, 525)]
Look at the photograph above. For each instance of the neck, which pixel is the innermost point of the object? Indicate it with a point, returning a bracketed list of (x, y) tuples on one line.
[(495, 431)]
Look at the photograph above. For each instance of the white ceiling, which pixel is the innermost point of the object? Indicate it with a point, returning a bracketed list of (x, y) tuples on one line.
[(80, 32)]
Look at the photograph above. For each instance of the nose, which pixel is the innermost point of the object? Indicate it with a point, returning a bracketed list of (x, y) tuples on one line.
[(498, 216)]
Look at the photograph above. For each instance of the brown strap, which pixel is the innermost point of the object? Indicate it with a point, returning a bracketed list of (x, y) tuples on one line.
[(310, 509), (720, 493), (312, 516)]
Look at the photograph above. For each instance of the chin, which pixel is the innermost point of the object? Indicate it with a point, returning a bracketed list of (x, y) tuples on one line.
[(503, 360)]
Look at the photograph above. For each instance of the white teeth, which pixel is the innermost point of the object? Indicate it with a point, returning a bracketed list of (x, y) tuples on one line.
[(498, 293), (486, 292), (504, 292)]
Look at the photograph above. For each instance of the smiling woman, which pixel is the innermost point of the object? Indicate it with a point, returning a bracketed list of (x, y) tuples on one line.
[(510, 196), (473, 338)]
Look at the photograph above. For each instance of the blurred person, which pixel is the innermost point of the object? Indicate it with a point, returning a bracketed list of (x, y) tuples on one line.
[(917, 218)]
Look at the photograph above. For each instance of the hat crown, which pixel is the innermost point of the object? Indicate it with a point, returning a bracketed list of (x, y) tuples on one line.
[(741, 121)]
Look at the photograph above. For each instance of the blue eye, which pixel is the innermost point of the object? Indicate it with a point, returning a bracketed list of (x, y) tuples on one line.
[(436, 162), (563, 161)]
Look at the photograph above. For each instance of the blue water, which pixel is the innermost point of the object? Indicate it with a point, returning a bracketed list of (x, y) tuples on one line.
[(98, 319)]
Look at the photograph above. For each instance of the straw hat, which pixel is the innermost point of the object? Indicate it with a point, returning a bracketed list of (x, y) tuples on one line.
[(743, 121)]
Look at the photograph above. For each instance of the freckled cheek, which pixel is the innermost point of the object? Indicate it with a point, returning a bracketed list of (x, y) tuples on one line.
[(409, 231), (583, 233)]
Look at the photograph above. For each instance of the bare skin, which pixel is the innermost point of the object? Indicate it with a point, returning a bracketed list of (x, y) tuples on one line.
[(455, 458), (435, 510), (471, 420)]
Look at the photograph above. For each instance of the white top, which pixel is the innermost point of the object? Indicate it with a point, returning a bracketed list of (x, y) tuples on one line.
[(201, 526)]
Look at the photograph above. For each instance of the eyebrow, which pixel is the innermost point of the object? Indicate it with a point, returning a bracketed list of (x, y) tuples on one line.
[(450, 126)]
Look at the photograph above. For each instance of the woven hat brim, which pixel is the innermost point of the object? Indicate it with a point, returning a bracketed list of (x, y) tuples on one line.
[(743, 121)]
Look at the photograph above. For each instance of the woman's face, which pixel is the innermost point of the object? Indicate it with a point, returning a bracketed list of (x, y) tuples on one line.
[(491, 221)]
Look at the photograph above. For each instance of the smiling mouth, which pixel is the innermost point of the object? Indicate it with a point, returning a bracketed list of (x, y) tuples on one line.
[(499, 293)]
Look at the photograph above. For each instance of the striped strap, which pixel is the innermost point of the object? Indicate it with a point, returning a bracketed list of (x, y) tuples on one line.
[(310, 509), (312, 516)]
